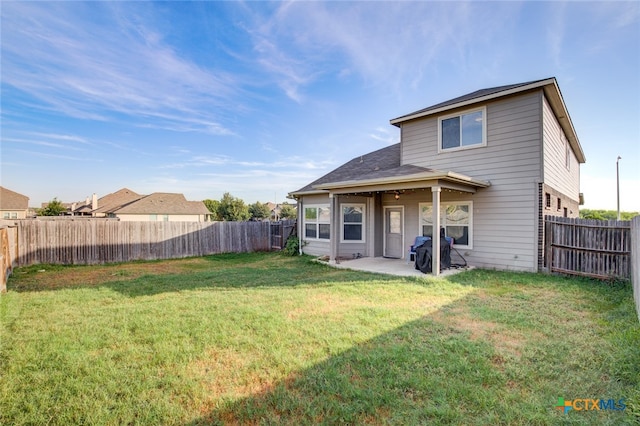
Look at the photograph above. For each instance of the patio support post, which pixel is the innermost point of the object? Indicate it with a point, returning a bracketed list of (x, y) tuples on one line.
[(300, 224), (334, 232), (435, 238)]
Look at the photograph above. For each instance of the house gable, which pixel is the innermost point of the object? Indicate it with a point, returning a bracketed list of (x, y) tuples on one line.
[(116, 200), (549, 87)]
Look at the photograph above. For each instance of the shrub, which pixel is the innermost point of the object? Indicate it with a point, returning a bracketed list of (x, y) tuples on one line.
[(292, 247)]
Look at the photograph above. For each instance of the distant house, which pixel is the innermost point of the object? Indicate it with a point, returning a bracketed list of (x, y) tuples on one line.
[(276, 209), (13, 205), (486, 167), (161, 206), (127, 205)]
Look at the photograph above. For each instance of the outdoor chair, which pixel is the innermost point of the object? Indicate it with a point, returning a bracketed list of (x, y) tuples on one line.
[(420, 240)]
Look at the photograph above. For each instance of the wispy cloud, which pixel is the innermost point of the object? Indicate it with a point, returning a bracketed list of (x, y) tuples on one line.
[(40, 143), (383, 134), (57, 156), (119, 66), (292, 163), (302, 42), (71, 138)]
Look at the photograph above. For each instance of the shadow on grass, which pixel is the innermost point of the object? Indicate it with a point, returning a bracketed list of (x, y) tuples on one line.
[(437, 370), (413, 375), (440, 369)]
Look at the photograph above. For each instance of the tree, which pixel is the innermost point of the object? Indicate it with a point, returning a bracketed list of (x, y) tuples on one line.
[(233, 209), (259, 211), (287, 211), (606, 214), (213, 206), (53, 208)]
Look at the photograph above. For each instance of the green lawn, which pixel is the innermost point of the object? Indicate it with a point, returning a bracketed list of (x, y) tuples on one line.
[(267, 339)]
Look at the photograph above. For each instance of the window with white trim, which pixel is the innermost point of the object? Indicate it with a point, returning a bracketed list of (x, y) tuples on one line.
[(317, 222), (352, 218), (460, 131), (456, 219)]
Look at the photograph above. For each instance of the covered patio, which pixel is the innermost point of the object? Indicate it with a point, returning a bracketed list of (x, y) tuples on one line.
[(395, 182)]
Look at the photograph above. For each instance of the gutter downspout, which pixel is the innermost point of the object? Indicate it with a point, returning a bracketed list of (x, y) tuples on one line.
[(300, 216)]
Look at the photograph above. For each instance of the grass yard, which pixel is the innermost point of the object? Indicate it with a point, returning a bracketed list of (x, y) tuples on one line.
[(266, 339)]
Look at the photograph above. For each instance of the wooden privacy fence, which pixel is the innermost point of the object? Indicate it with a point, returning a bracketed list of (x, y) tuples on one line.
[(592, 248), (95, 241)]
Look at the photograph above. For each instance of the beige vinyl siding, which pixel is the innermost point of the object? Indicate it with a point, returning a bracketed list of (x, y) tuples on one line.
[(19, 214), (505, 214), (314, 247), (556, 174)]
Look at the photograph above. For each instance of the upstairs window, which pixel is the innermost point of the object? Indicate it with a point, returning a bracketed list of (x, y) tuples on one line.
[(460, 131)]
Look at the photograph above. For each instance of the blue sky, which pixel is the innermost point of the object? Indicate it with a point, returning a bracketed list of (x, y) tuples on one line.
[(258, 99)]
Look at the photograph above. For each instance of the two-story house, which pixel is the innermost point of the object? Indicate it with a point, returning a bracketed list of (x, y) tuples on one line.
[(13, 205), (486, 167)]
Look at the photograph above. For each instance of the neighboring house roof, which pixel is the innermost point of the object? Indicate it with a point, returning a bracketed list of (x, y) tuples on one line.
[(380, 167), (163, 203), (10, 200), (116, 200), (551, 90)]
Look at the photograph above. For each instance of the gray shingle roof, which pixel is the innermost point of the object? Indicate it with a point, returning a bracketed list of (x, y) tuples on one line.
[(382, 163), (469, 96), (10, 200), (163, 203)]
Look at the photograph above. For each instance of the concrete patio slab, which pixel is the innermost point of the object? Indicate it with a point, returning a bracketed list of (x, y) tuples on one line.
[(384, 265)]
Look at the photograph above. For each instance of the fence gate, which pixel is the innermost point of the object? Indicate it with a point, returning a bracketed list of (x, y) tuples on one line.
[(280, 232), (591, 248)]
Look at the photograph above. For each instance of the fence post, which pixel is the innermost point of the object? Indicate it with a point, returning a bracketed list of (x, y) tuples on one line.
[(635, 261), (3, 272), (548, 258)]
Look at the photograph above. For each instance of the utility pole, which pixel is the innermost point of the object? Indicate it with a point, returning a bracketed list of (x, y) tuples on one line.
[(618, 183)]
